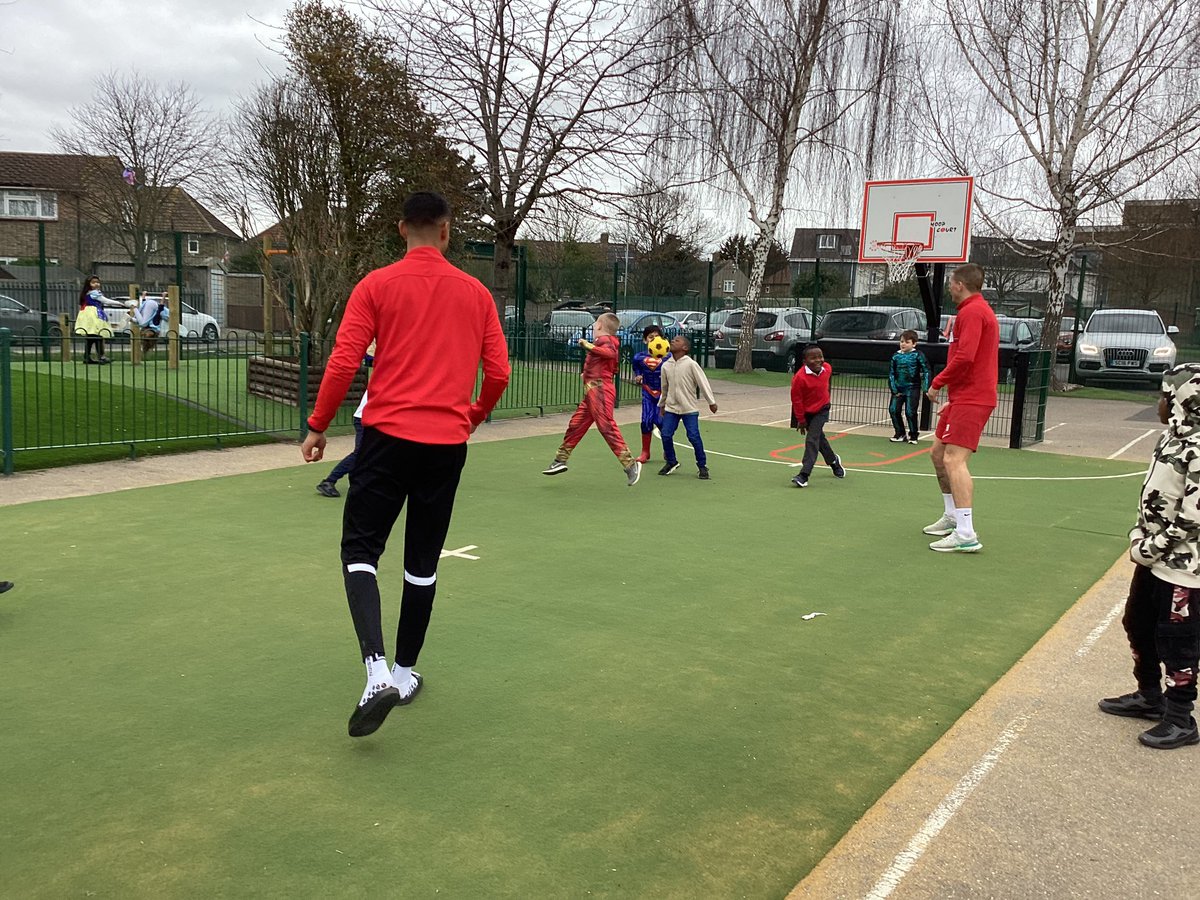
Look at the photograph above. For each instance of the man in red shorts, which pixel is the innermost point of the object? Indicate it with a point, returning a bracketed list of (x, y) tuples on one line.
[(972, 366)]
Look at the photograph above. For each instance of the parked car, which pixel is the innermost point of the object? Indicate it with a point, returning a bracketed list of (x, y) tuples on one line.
[(633, 322), (1124, 344), (693, 321), (1035, 325), (192, 323), (1066, 340), (1015, 334), (25, 322), (563, 327), (779, 338), (871, 323)]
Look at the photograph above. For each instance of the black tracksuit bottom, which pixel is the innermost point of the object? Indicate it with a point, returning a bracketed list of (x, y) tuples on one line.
[(1162, 621), (388, 473)]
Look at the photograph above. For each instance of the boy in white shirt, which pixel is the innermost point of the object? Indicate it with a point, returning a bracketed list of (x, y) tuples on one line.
[(682, 379)]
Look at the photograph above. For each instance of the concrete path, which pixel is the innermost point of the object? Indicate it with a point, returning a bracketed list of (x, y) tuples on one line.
[(1032, 794)]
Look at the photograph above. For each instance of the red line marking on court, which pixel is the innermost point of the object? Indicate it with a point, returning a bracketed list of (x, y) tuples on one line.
[(782, 454)]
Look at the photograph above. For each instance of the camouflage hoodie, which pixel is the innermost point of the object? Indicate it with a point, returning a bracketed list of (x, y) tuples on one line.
[(1167, 535)]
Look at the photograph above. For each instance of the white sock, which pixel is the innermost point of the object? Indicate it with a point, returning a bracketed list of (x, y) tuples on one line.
[(402, 677), (378, 678), (948, 503), (964, 526)]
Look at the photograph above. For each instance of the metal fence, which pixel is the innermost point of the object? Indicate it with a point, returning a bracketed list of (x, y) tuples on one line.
[(53, 398)]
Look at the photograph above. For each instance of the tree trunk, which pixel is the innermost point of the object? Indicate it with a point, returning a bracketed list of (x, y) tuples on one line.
[(1058, 267), (502, 264), (744, 361)]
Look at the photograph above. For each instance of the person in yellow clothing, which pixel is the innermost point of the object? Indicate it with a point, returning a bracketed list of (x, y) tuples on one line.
[(92, 321)]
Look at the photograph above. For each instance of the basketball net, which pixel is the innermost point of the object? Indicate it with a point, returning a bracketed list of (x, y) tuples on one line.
[(900, 256)]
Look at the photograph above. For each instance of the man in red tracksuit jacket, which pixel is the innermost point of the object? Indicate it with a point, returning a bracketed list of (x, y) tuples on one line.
[(810, 412), (972, 368), (415, 432)]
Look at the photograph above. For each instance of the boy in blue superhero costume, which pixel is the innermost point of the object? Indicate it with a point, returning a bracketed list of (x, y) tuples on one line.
[(647, 371)]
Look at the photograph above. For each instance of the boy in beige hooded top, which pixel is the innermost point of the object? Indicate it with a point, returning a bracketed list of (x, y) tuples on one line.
[(1162, 613)]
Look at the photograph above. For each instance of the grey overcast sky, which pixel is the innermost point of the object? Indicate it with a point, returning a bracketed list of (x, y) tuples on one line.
[(51, 51)]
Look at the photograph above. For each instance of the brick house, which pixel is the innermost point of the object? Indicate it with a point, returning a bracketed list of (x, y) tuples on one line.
[(49, 192)]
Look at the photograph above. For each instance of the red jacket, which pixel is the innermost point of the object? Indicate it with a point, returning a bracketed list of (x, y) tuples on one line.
[(433, 325), (973, 357), (810, 393)]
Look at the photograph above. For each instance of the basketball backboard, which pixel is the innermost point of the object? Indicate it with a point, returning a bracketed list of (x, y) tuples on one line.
[(934, 212)]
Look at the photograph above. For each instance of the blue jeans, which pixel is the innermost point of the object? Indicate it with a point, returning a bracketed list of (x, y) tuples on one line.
[(347, 464), (691, 425)]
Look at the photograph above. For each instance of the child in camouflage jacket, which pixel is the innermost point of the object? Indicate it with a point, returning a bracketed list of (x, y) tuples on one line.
[(1162, 612)]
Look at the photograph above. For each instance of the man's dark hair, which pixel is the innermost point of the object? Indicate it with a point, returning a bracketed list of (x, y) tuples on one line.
[(425, 209)]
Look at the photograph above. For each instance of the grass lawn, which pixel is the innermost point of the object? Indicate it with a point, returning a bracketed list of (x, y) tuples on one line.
[(622, 697)]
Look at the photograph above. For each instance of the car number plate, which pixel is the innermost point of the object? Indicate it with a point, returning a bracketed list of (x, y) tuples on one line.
[(1127, 363)]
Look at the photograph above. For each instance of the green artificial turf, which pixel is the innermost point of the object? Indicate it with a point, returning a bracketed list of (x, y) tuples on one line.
[(622, 696)]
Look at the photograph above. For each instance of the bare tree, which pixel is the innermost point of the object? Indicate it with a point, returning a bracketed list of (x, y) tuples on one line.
[(1062, 109), (549, 96), (145, 141), (331, 150), (769, 86)]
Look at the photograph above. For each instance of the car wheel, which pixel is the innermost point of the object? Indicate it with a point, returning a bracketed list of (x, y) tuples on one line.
[(210, 332), (793, 361), (55, 331)]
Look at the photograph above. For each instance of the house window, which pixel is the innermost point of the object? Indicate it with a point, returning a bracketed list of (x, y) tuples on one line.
[(827, 241), (193, 245), (730, 286), (15, 204)]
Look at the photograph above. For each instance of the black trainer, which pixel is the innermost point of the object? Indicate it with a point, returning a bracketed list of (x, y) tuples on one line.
[(801, 480), (1168, 735), (897, 439), (5, 586), (1133, 706), (326, 489), (368, 716), (703, 473), (668, 468), (838, 471), (555, 468)]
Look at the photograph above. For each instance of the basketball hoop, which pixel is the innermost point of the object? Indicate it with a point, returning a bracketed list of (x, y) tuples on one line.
[(900, 256)]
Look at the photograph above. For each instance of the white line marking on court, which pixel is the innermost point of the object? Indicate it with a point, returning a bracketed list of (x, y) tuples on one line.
[(940, 817), (774, 462), (1131, 443), (1052, 427), (1094, 635), (460, 553)]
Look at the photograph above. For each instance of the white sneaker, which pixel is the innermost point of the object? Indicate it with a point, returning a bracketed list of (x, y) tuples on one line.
[(945, 525), (952, 543), (633, 473)]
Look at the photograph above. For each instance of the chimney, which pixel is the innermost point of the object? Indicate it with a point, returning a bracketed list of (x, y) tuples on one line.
[(604, 237)]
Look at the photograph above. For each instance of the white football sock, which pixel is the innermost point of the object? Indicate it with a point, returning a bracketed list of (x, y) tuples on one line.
[(402, 678), (378, 678), (948, 503), (964, 526)]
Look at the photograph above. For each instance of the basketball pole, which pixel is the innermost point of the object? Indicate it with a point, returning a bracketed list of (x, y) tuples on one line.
[(930, 284)]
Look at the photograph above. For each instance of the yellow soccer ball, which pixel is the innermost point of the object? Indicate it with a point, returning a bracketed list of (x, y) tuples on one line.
[(658, 346)]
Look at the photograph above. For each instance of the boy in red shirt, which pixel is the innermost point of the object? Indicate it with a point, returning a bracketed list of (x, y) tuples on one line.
[(972, 369), (599, 394), (810, 412)]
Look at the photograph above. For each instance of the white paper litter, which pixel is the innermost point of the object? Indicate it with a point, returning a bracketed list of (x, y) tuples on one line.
[(811, 616)]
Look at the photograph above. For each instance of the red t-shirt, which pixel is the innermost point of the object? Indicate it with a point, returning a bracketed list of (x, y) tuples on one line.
[(810, 393), (433, 325), (973, 357), (601, 362)]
